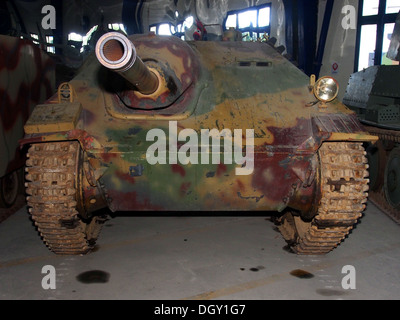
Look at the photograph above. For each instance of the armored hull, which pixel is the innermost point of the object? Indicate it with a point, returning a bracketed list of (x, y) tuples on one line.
[(214, 126)]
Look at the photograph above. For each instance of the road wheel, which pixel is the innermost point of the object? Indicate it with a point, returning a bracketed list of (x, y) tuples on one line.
[(392, 179), (9, 189)]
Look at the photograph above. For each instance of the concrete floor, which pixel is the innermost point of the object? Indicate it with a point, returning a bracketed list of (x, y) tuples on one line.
[(176, 258)]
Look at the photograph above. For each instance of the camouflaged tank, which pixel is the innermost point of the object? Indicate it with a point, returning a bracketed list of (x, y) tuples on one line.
[(159, 124), (27, 77)]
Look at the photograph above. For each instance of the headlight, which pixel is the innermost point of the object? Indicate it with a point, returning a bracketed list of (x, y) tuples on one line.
[(326, 89)]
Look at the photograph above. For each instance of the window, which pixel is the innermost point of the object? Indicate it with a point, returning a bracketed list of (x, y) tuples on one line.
[(392, 6), (51, 49), (367, 46), (375, 28), (75, 37), (35, 38), (164, 29), (50, 40), (116, 27), (79, 41), (370, 8), (167, 29), (253, 22), (387, 37)]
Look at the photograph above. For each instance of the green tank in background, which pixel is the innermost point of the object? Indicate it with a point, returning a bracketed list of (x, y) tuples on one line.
[(374, 94)]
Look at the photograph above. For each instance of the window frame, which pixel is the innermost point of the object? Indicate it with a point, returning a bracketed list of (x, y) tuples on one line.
[(179, 34), (251, 30), (116, 27), (380, 20), (158, 25)]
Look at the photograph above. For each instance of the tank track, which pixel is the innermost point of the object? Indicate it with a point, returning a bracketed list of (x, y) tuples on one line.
[(344, 192), (377, 197), (51, 187), (384, 134)]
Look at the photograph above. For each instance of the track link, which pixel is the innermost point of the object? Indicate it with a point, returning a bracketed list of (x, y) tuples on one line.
[(344, 192), (51, 187)]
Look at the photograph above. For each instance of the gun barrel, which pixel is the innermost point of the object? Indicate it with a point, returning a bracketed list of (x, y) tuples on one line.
[(116, 52)]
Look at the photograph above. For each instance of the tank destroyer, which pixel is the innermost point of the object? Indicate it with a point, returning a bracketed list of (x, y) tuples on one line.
[(157, 124)]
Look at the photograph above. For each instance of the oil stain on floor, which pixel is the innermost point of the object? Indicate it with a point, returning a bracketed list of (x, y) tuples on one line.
[(331, 292), (302, 274), (93, 276), (254, 269)]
